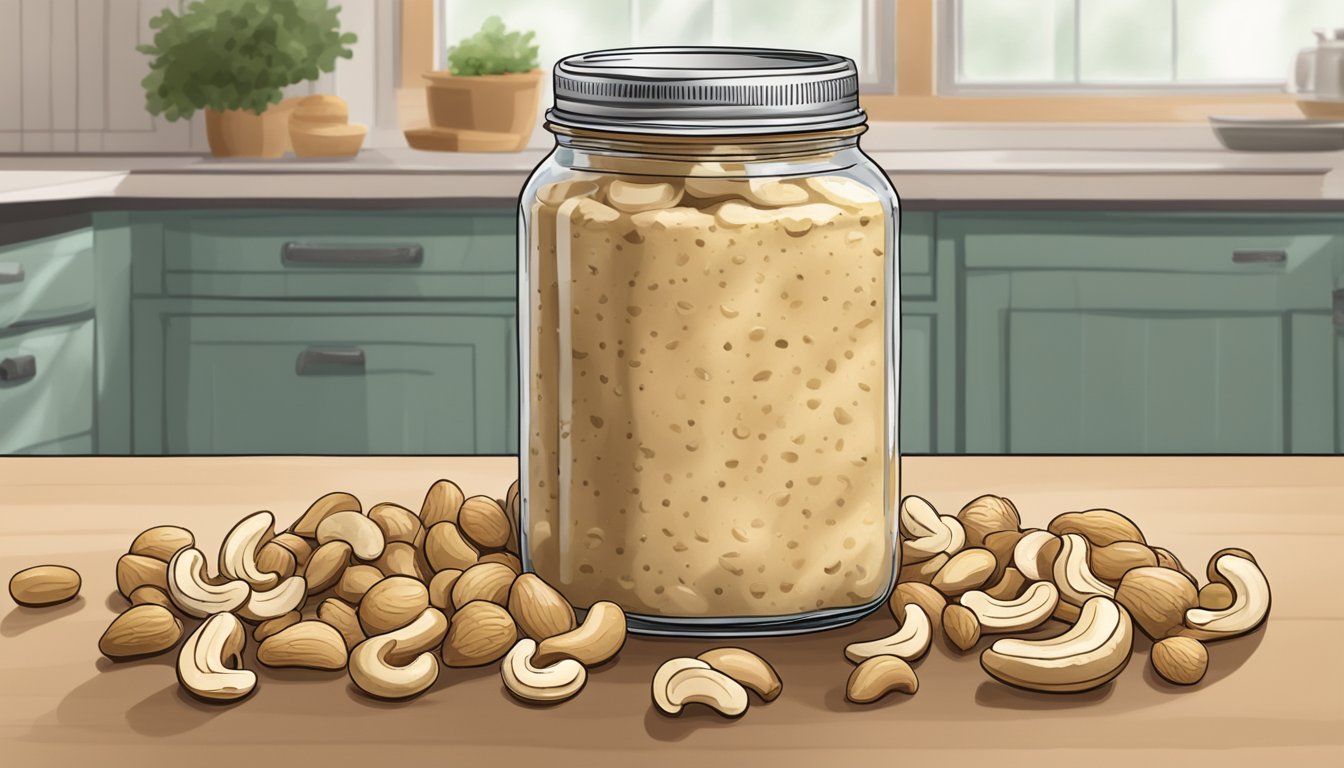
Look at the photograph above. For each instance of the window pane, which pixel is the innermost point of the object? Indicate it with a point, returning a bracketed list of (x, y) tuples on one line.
[(835, 26), (1125, 40), (1247, 40), (1016, 41), (674, 22)]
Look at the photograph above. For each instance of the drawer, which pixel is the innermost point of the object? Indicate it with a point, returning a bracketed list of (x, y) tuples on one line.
[(917, 255), (333, 384), (46, 395), (339, 254), (47, 278)]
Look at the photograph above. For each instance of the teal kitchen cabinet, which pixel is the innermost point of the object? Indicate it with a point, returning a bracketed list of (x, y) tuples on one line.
[(1129, 333), (47, 394), (927, 339), (335, 378)]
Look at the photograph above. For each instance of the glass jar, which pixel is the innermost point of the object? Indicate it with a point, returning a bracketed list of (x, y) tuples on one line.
[(708, 342)]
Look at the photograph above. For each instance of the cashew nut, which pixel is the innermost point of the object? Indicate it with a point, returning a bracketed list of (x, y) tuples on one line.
[(374, 666), (752, 671), (910, 642), (634, 198), (193, 591), (362, 534), (681, 681), (210, 664), (1035, 553), (1073, 574), (1090, 654), (878, 677), (286, 597), (549, 685), (1027, 611), (238, 553), (330, 504), (926, 532), (600, 637), (1250, 602)]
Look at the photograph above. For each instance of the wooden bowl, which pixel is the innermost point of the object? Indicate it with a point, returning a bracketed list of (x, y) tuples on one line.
[(1322, 110), (327, 139)]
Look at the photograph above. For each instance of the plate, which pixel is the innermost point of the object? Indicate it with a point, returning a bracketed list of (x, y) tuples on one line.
[(1250, 134)]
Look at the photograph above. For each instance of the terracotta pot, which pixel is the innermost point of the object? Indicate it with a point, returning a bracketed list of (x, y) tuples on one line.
[(240, 133), (501, 104)]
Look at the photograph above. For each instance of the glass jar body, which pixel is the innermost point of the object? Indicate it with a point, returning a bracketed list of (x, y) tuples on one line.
[(708, 361)]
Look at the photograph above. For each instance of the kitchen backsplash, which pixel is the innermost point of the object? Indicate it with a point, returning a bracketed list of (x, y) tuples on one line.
[(70, 77)]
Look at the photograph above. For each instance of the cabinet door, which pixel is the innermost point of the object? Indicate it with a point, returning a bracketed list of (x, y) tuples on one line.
[(916, 384), (46, 389), (318, 384)]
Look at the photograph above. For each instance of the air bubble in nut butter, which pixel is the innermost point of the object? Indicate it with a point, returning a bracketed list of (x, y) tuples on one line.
[(707, 321)]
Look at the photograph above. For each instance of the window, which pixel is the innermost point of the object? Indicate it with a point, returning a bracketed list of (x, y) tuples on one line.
[(1118, 45), (863, 30)]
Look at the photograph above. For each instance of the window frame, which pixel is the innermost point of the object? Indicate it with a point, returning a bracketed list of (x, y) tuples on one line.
[(877, 69), (949, 43)]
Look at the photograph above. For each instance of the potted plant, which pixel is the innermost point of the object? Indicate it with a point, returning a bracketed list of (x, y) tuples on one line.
[(232, 58), (492, 87)]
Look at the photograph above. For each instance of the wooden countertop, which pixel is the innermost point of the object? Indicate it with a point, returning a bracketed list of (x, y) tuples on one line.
[(1276, 695)]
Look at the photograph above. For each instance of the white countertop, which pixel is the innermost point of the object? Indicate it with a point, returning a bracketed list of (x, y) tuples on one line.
[(954, 164)]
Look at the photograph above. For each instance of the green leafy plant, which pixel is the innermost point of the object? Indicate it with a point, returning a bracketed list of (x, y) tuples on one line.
[(493, 51), (239, 54)]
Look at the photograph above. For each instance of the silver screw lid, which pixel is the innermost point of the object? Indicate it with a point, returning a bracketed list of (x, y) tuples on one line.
[(706, 90)]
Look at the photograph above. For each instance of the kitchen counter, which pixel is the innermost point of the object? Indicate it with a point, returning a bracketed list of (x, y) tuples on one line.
[(925, 177), (1276, 695)]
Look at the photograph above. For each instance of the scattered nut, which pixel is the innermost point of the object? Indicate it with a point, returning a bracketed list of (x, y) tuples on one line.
[(910, 642), (540, 611), (1028, 611), (1180, 660), (150, 595), (276, 602), (238, 553), (480, 633), (968, 569), (195, 594), (1099, 526), (988, 514), (484, 581), (44, 585), (678, 683), (1090, 654), (926, 597), (142, 630), (441, 589), (879, 676), (1008, 587), (210, 664), (1035, 554), (342, 617), (398, 665), (362, 534), (397, 523), (599, 638), (1158, 599), (326, 566), (271, 626), (1215, 596), (961, 626), (442, 503), (306, 525), (296, 545), (1250, 601), (540, 685), (445, 548), (305, 645), (1110, 562), (161, 542), (134, 571), (355, 582), (483, 522), (276, 560), (752, 671), (391, 604), (1073, 575)]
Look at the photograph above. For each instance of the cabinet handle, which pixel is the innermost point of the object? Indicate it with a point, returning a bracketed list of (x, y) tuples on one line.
[(330, 361), (1339, 309), (1259, 257), (308, 254), (11, 272), (14, 370)]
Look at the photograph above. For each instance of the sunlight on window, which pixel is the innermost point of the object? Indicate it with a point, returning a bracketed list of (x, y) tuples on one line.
[(1017, 40), (1124, 40), (1247, 40)]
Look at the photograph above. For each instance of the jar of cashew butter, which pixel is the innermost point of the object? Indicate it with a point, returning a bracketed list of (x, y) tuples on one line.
[(707, 296)]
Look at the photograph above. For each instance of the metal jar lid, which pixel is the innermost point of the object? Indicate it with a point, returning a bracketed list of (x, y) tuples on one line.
[(706, 91)]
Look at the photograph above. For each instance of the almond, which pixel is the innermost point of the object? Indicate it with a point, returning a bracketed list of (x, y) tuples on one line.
[(1099, 526), (326, 566), (305, 645), (162, 542), (343, 618), (277, 559), (143, 630), (445, 548), (355, 581), (44, 585), (478, 634), (271, 626), (442, 502), (484, 581), (441, 589), (391, 604), (138, 570), (1180, 660), (1157, 598), (985, 515), (1110, 562), (398, 559), (330, 504), (961, 626), (484, 523), (298, 546), (966, 570), (539, 610), (505, 558), (151, 595), (396, 522)]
